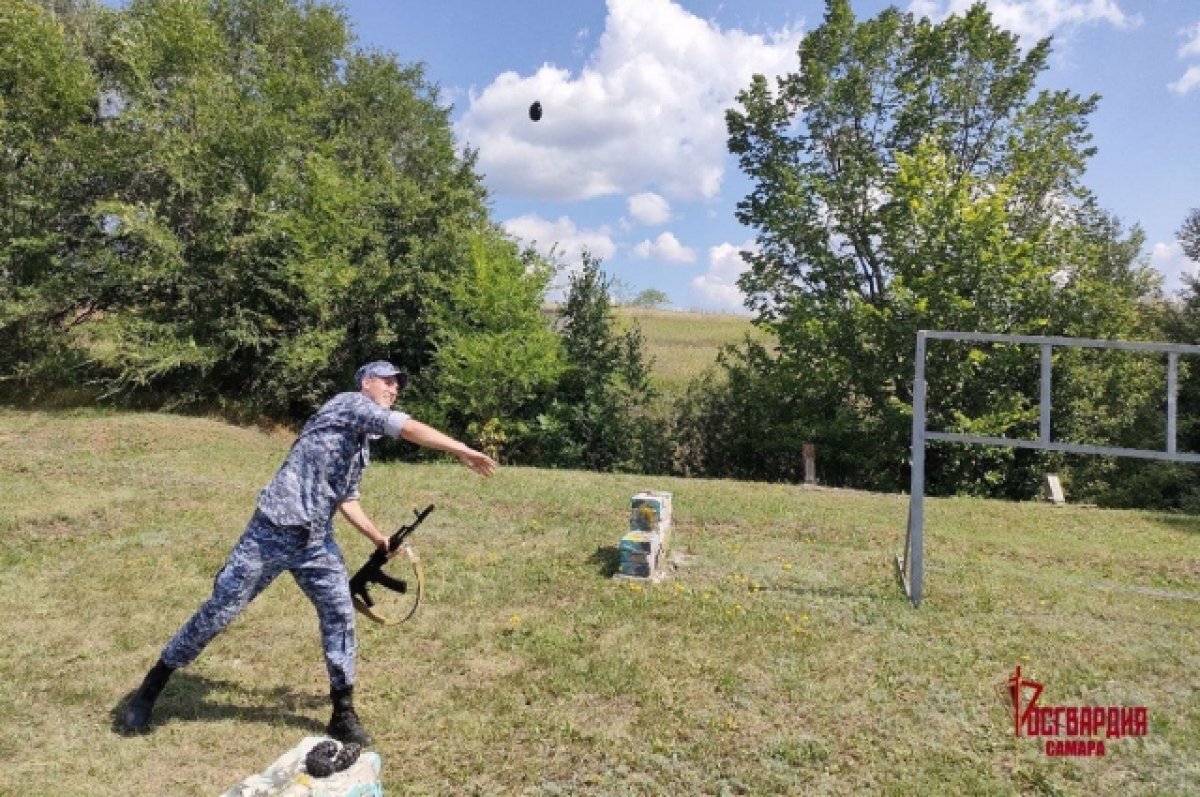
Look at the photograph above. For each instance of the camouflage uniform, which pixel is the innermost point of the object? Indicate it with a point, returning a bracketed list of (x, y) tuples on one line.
[(292, 529)]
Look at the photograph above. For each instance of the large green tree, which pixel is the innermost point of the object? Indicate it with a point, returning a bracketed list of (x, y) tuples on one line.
[(911, 175), (223, 201), (46, 87), (497, 362)]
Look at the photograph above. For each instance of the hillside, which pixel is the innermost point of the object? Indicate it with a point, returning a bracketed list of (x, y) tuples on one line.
[(778, 658), (682, 344)]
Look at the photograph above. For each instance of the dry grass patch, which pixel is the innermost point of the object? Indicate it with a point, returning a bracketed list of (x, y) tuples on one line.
[(683, 344)]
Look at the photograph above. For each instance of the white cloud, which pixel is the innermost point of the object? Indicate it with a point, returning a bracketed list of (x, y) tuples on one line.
[(1035, 19), (717, 288), (581, 41), (665, 247), (1189, 81), (649, 208), (562, 236), (564, 243), (646, 110), (1170, 261), (1190, 48)]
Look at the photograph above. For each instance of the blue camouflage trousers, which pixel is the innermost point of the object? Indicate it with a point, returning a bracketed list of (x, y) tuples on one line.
[(262, 553)]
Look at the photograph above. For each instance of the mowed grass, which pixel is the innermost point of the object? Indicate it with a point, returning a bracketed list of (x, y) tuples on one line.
[(683, 344), (779, 657)]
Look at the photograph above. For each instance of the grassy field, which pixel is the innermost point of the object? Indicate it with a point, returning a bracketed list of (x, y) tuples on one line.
[(778, 658), (682, 344)]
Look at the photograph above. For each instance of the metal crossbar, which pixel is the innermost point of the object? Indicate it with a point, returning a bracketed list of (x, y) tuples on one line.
[(910, 565)]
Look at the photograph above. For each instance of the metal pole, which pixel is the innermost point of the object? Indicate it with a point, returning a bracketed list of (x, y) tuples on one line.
[(1044, 407), (914, 554), (1172, 389)]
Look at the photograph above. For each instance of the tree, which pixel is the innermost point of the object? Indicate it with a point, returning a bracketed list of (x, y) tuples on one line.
[(599, 419), (270, 207), (909, 176), (46, 87), (1168, 484), (497, 362), (1189, 235), (651, 298)]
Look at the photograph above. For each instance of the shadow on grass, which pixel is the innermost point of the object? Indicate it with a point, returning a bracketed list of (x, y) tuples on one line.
[(195, 697), (608, 558), (1189, 524)]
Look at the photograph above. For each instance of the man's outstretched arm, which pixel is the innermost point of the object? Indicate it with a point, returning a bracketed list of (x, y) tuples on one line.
[(423, 434)]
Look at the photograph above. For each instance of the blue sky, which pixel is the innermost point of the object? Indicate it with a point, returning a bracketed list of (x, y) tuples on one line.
[(629, 158)]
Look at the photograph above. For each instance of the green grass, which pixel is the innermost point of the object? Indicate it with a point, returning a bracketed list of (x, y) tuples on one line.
[(778, 658), (683, 344)]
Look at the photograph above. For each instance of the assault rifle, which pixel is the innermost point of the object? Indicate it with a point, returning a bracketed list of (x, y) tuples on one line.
[(372, 571)]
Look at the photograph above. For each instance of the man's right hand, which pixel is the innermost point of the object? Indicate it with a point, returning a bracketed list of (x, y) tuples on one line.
[(479, 462), (382, 545)]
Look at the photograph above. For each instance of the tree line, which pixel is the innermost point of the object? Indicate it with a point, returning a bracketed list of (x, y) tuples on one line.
[(228, 205)]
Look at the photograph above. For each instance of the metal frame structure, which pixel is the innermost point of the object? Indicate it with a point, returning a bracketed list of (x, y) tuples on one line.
[(910, 565)]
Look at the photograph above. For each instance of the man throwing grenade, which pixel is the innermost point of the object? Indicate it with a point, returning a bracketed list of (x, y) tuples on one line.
[(292, 529)]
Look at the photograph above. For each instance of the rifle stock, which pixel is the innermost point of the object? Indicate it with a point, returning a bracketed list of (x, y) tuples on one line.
[(372, 571)]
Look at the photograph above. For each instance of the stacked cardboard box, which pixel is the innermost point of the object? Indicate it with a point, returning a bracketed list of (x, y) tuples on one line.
[(649, 530)]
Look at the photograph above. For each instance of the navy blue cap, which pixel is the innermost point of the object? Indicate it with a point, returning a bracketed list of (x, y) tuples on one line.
[(376, 368)]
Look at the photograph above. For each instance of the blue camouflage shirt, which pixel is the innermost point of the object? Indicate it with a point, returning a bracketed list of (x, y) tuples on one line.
[(324, 468)]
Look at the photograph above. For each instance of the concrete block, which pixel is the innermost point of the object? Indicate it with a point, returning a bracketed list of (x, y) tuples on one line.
[(650, 510), (650, 515), (1052, 489)]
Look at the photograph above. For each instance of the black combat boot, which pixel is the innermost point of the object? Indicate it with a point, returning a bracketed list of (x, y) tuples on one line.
[(344, 725), (137, 713)]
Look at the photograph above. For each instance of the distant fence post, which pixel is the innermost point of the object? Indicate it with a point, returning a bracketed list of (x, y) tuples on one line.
[(810, 463)]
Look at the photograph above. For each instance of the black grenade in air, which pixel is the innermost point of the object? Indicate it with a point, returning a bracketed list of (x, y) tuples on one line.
[(535, 111)]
